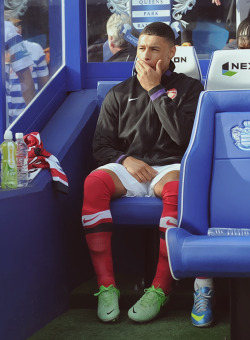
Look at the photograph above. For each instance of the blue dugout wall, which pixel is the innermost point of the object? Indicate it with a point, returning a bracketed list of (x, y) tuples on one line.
[(42, 248), (42, 251)]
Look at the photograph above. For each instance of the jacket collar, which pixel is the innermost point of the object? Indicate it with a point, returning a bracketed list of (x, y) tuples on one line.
[(170, 70)]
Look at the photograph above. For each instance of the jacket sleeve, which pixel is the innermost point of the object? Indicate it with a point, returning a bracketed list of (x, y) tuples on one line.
[(177, 116), (107, 146)]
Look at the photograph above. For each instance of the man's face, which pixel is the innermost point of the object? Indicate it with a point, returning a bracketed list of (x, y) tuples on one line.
[(151, 48)]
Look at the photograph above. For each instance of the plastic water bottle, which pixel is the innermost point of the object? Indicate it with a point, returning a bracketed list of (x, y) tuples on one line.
[(22, 161), (8, 162)]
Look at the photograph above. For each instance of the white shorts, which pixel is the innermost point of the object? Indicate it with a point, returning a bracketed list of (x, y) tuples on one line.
[(135, 188)]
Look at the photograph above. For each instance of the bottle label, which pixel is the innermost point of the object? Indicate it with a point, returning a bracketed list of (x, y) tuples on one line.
[(8, 166), (11, 155)]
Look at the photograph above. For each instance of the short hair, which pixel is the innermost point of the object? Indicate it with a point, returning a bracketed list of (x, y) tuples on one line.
[(114, 26), (14, 8), (160, 29), (243, 34)]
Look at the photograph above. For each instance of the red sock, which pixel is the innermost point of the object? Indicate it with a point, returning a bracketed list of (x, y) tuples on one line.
[(99, 244), (97, 223), (163, 277)]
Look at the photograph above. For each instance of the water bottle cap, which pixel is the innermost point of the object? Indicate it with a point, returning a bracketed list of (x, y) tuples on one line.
[(19, 135), (8, 134)]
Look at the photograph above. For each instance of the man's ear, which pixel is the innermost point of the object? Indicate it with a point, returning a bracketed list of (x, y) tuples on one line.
[(112, 44), (172, 51)]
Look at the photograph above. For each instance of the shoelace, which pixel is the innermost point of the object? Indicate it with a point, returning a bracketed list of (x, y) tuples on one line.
[(107, 298), (149, 298), (201, 301)]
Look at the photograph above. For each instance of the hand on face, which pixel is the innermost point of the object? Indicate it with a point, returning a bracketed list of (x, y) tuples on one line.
[(147, 75), (154, 54), (216, 2)]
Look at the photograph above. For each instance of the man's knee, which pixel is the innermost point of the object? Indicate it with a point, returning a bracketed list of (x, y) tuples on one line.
[(171, 176), (98, 190), (119, 187), (99, 179)]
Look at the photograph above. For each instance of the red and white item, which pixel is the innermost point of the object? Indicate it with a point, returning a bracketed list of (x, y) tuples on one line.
[(39, 158), (172, 93)]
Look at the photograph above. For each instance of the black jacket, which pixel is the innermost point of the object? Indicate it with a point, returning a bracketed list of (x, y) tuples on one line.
[(126, 54), (149, 126)]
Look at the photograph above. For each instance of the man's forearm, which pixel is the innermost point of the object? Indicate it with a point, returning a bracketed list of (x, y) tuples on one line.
[(27, 85), (42, 81)]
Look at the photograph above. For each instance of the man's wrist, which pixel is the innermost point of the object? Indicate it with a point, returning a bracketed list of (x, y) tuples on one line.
[(120, 159), (156, 92)]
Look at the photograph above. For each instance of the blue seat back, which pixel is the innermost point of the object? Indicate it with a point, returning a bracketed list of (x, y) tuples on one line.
[(213, 235), (214, 182), (230, 185), (195, 174), (103, 87)]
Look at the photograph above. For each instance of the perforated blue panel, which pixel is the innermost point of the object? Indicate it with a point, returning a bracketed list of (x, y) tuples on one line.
[(230, 206)]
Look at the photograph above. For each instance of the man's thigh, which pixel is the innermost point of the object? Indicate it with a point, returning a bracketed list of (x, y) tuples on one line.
[(125, 183), (120, 190), (123, 179)]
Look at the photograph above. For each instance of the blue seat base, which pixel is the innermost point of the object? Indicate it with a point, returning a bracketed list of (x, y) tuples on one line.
[(202, 255)]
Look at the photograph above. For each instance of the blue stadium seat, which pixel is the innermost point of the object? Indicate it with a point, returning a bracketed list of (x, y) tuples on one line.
[(214, 191)]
